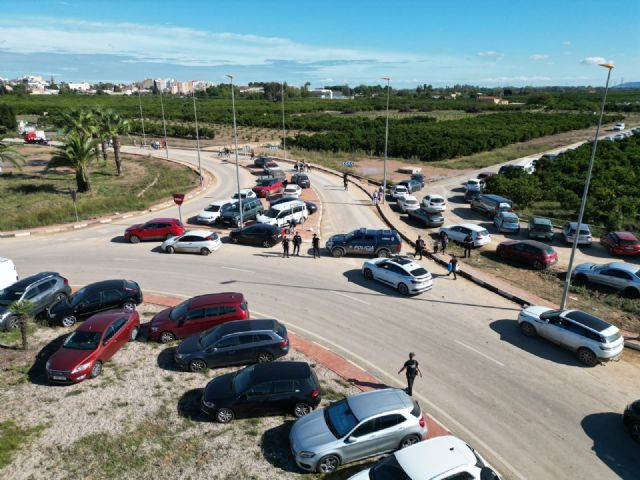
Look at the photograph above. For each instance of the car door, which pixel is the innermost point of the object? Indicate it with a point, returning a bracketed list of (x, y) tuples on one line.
[(121, 336), (109, 343), (363, 441), (575, 336), (381, 271), (397, 275), (185, 244), (556, 331), (49, 291), (256, 400), (111, 298), (613, 278), (36, 294), (282, 396), (90, 304), (251, 234), (224, 352), (391, 430), (150, 231), (194, 322), (455, 234)]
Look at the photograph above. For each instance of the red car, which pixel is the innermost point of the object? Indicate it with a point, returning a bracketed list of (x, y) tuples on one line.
[(621, 243), (197, 315), (267, 187), (85, 351), (156, 229), (535, 254)]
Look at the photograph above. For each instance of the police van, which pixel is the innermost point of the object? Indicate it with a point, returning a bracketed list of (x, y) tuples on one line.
[(379, 243)]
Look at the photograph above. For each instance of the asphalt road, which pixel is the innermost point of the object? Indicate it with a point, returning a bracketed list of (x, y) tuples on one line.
[(528, 406)]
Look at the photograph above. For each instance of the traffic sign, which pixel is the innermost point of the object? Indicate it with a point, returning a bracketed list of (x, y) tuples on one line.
[(348, 164), (178, 198)]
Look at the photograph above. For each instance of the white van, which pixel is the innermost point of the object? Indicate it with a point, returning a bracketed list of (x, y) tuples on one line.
[(8, 274), (285, 213)]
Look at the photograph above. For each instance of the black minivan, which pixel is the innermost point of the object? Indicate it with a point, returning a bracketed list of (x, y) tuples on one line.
[(263, 388), (234, 343)]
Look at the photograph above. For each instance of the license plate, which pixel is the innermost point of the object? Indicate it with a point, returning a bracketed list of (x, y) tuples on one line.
[(59, 378)]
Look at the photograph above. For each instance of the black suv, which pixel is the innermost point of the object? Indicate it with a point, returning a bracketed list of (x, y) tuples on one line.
[(381, 243), (257, 234), (96, 297), (271, 388), (42, 290), (251, 207), (234, 343)]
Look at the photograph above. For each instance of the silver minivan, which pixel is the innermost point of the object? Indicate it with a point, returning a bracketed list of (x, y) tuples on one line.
[(285, 214), (584, 235)]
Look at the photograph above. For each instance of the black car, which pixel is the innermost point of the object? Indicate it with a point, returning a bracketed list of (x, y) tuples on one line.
[(257, 234), (311, 207), (412, 185), (234, 343), (631, 419), (260, 161), (429, 219), (96, 297), (301, 179), (381, 243), (41, 290), (263, 388)]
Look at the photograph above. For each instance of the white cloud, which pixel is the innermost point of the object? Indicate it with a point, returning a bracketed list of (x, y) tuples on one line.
[(595, 61), (491, 54), (536, 57)]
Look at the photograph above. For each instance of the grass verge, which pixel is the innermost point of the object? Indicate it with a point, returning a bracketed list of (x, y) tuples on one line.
[(12, 438)]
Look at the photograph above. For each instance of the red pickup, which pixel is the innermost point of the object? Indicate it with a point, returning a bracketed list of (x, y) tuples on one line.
[(267, 187)]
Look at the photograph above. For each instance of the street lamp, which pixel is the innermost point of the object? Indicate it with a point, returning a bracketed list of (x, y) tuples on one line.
[(583, 202), (144, 137), (284, 132), (235, 138), (195, 115), (164, 126), (386, 142)]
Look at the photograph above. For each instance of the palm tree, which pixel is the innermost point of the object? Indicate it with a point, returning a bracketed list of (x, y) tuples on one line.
[(101, 121), (22, 310), (116, 126), (77, 153), (8, 154), (84, 122)]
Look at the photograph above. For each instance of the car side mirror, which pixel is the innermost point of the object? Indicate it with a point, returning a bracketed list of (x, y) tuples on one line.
[(350, 439)]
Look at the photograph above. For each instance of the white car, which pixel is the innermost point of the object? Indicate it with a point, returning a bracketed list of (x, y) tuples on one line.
[(439, 458), (292, 190), (401, 273), (591, 338), (408, 203), (473, 185), (618, 127), (398, 191), (458, 233), (194, 241), (434, 203), (245, 193), (211, 213)]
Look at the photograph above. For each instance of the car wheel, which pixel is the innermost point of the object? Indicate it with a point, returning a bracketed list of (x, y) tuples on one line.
[(538, 265), (134, 334), (264, 357), (128, 306), (169, 249), (301, 409), (630, 293), (403, 289), (266, 244), (527, 329), (368, 274), (337, 252), (168, 236), (409, 440), (328, 464), (384, 253), (204, 252), (611, 251), (13, 323), (634, 430), (134, 239), (59, 297), (96, 370), (68, 321), (580, 280), (197, 365), (225, 415), (166, 337), (587, 357)]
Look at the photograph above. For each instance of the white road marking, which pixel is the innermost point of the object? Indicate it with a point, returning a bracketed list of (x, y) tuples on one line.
[(118, 259), (350, 297), (238, 269), (480, 353)]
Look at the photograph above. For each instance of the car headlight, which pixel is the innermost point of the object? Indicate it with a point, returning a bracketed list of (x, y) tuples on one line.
[(179, 356), (154, 329), (307, 454), (81, 367), (208, 404)]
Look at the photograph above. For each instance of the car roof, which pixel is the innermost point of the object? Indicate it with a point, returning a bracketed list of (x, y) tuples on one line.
[(105, 284), (202, 233), (265, 372), (223, 202), (167, 219), (405, 263), (435, 456), (100, 321), (252, 325), (587, 320), (508, 214), (541, 220), (369, 404), (470, 226), (627, 267), (625, 236), (215, 298), (25, 282), (285, 205), (574, 224)]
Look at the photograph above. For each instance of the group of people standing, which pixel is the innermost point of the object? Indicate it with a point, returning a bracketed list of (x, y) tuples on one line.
[(296, 240), (377, 196), (301, 166)]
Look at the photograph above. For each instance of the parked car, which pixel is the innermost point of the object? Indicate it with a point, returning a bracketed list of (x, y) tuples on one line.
[(356, 427), (621, 243), (507, 222), (292, 190), (233, 343), (263, 388), (631, 419), (42, 290), (473, 185), (194, 241), (439, 458), (311, 207), (8, 273), (196, 315), (257, 234), (245, 193), (301, 179), (490, 204), (285, 213), (412, 185), (85, 351), (622, 277), (94, 298), (398, 191), (156, 229), (268, 187), (270, 165), (212, 212), (401, 273), (471, 195), (484, 175), (407, 203), (250, 209), (274, 173), (591, 338), (260, 161), (381, 243), (584, 235), (541, 227), (430, 219), (510, 168), (618, 127), (420, 177), (530, 252), (458, 233), (434, 203)]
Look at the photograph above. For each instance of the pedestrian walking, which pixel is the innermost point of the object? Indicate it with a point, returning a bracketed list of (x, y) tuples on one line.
[(285, 247), (297, 241), (453, 267), (412, 371), (292, 226), (345, 179), (374, 197), (380, 194), (467, 243), (315, 244), (444, 241), (419, 247), (436, 245)]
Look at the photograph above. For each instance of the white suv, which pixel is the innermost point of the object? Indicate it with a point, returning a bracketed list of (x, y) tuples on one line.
[(407, 276), (434, 203), (408, 203), (458, 233), (593, 339), (211, 213)]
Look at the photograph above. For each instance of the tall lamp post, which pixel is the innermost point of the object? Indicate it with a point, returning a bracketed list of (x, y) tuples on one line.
[(583, 202), (284, 132), (144, 137), (386, 142), (235, 139), (164, 126), (195, 115)]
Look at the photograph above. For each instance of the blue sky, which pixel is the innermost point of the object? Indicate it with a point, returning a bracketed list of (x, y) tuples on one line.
[(495, 42)]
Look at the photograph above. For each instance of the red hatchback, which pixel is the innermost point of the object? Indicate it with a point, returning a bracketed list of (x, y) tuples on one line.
[(266, 188), (197, 315), (535, 254), (621, 243), (156, 229), (84, 352)]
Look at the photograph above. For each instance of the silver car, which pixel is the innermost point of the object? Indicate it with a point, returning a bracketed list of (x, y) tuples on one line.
[(507, 222), (356, 427), (194, 241), (623, 277)]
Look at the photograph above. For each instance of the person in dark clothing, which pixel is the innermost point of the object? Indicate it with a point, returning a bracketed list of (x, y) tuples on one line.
[(297, 241), (468, 244), (444, 241), (285, 247), (315, 244), (412, 371), (453, 267), (345, 179), (419, 247)]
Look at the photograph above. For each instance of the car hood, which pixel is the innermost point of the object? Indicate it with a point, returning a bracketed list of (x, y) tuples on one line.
[(535, 311), (311, 433), (190, 346), (162, 319), (61, 308), (170, 241), (220, 388), (134, 227), (69, 358), (585, 267)]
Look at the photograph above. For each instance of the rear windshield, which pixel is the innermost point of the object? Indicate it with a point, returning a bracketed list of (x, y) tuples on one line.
[(483, 233), (281, 330), (418, 272), (614, 337), (549, 250), (339, 418), (542, 227), (212, 208), (437, 200)]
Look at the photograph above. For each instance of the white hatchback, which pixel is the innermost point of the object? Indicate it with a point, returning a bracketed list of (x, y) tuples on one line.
[(408, 203), (194, 241), (458, 233), (245, 193), (292, 190), (402, 273), (398, 191), (211, 213), (434, 203)]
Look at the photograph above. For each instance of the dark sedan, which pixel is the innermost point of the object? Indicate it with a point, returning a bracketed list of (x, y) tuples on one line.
[(301, 179), (429, 219), (257, 234), (631, 419), (530, 252), (311, 207)]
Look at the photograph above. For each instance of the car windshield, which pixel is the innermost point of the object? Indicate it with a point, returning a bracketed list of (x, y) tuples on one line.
[(339, 418), (272, 213), (7, 297), (265, 183), (614, 337), (550, 314), (549, 250), (242, 379), (418, 272), (388, 469), (411, 201), (82, 340), (209, 337), (212, 208), (437, 200), (77, 297), (178, 312), (542, 227)]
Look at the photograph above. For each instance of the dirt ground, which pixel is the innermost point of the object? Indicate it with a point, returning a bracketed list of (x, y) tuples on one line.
[(139, 419)]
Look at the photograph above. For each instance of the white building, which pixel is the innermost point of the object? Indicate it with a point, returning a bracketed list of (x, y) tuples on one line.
[(80, 86)]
